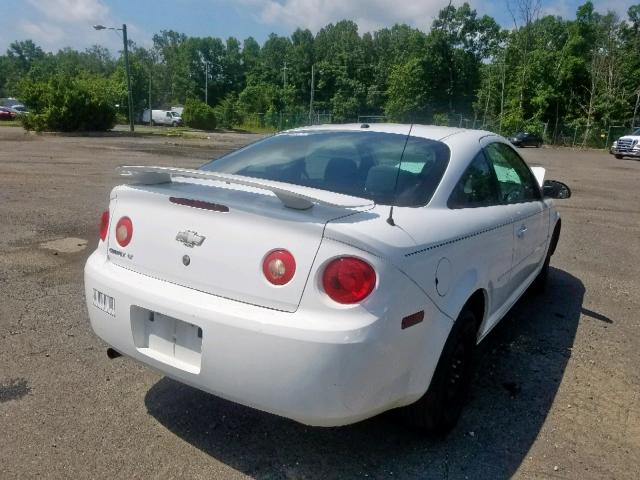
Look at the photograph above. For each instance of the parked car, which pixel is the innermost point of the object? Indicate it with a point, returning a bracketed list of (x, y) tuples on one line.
[(7, 114), (524, 139), (325, 274), (162, 117), (18, 109), (627, 146)]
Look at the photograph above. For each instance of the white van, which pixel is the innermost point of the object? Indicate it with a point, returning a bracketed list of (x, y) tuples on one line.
[(162, 117)]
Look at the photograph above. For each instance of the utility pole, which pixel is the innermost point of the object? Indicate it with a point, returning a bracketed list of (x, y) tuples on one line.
[(313, 86), (284, 74), (150, 110), (206, 82), (126, 64), (635, 110)]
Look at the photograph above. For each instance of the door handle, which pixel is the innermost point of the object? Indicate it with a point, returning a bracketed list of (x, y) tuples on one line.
[(521, 231)]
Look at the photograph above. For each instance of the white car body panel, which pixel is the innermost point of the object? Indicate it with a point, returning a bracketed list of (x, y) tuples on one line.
[(229, 260), (291, 350)]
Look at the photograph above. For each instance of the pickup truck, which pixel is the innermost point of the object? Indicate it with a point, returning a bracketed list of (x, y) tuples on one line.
[(627, 146)]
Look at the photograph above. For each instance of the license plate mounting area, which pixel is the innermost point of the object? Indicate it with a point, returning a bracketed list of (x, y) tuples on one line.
[(167, 339)]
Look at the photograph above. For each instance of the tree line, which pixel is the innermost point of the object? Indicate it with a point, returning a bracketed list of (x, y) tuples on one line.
[(545, 74)]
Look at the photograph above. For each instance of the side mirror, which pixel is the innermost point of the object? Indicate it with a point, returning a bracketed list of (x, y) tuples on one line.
[(555, 189)]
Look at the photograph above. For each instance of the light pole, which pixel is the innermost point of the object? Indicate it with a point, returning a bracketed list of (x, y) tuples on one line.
[(284, 74), (313, 92), (126, 66), (206, 82)]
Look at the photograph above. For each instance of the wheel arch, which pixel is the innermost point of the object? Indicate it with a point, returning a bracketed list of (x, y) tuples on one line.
[(469, 293), (555, 237), (477, 303)]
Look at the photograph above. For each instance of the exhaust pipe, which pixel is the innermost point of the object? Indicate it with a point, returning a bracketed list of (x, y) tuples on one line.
[(111, 353)]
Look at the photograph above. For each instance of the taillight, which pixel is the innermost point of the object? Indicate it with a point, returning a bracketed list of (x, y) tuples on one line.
[(278, 267), (104, 225), (348, 280), (124, 231)]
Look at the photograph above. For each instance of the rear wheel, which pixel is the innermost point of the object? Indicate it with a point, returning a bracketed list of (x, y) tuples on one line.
[(438, 410)]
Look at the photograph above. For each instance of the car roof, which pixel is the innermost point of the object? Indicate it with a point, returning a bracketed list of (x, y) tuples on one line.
[(463, 143), (432, 132)]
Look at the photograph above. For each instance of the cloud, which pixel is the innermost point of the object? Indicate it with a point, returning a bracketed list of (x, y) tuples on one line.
[(72, 11), (48, 34), (368, 14), (55, 24)]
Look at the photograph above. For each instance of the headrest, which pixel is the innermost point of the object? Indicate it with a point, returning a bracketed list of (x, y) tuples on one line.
[(381, 180)]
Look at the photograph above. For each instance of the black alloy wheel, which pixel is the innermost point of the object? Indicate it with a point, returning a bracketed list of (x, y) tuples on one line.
[(439, 409)]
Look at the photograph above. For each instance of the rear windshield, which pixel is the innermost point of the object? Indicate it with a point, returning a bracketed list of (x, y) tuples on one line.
[(362, 164)]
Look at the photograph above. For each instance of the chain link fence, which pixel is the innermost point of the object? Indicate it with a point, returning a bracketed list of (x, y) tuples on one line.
[(598, 135), (578, 134), (277, 121)]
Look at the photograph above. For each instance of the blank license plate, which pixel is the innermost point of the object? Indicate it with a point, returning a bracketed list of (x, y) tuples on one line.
[(104, 302)]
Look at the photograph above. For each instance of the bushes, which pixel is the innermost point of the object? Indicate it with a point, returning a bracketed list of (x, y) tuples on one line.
[(67, 104), (228, 112), (441, 119), (198, 114)]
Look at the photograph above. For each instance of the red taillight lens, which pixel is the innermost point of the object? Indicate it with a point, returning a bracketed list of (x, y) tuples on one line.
[(104, 225), (348, 280), (278, 267), (124, 231)]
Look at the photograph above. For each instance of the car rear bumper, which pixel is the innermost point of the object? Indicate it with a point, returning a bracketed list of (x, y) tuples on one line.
[(263, 358)]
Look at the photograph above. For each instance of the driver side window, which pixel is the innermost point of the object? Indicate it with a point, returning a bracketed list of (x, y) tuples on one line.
[(516, 184)]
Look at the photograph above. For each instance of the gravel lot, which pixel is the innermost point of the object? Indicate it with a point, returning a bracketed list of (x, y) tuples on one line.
[(557, 393)]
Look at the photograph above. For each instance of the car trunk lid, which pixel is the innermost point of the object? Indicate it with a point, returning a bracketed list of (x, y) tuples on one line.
[(213, 236)]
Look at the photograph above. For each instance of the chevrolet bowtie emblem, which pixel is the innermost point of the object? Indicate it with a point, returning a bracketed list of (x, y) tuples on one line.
[(190, 238)]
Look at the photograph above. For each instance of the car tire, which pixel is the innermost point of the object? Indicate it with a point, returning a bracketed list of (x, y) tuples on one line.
[(619, 157), (539, 284), (174, 124), (539, 144), (439, 409)]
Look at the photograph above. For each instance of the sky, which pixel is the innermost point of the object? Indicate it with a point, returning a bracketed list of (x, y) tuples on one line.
[(54, 24)]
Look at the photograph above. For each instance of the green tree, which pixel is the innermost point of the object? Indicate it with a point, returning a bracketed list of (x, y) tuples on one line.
[(67, 104), (198, 114)]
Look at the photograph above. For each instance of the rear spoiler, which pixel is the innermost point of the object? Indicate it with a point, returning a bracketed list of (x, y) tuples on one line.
[(286, 194)]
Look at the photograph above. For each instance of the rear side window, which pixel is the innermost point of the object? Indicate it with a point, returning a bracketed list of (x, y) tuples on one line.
[(516, 183), (477, 186), (363, 164)]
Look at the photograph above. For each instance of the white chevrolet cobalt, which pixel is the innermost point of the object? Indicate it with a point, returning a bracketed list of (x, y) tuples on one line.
[(325, 274)]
